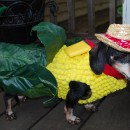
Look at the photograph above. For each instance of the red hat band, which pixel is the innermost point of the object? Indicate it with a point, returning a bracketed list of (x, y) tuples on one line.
[(120, 42)]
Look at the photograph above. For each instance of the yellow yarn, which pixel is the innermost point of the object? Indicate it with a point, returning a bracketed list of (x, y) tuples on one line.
[(66, 69)]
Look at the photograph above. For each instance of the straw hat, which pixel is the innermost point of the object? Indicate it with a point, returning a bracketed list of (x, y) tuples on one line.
[(117, 36)]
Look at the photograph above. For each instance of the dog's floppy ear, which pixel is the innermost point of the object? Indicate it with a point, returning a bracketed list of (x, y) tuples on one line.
[(98, 58)]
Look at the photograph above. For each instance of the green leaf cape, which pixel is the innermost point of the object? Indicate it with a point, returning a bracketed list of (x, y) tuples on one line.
[(23, 67)]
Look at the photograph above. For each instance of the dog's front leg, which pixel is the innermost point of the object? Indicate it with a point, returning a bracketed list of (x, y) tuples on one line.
[(78, 90), (71, 101), (8, 103), (70, 117)]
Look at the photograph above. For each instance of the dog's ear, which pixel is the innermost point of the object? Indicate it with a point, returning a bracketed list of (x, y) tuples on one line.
[(98, 58)]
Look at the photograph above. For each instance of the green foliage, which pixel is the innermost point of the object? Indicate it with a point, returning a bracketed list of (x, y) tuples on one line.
[(119, 11), (30, 80), (2, 9), (72, 41), (13, 56), (51, 36), (23, 67)]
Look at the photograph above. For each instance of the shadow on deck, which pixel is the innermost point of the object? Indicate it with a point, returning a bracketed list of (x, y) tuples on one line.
[(113, 114)]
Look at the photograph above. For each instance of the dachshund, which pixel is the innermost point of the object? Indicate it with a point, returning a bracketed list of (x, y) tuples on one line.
[(100, 55)]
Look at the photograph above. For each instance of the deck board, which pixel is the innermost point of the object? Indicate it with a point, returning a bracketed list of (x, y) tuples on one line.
[(28, 113), (2, 106), (55, 120), (113, 114)]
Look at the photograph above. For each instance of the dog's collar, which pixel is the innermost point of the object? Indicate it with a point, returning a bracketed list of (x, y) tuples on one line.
[(108, 70)]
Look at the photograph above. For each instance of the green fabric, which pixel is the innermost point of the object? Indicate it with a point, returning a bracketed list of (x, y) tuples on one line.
[(13, 56), (30, 80), (119, 11), (51, 36), (72, 41), (2, 9), (23, 67)]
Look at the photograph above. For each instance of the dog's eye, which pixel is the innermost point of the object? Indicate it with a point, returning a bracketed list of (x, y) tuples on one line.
[(115, 57)]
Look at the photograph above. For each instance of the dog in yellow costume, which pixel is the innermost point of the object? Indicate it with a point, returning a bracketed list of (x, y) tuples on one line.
[(79, 73), (77, 68)]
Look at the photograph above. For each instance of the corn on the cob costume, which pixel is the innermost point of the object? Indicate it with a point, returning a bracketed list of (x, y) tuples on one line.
[(68, 65)]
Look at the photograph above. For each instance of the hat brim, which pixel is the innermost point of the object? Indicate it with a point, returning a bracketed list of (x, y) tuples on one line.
[(101, 37)]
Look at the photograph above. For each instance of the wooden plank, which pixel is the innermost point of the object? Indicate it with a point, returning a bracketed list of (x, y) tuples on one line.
[(112, 11), (28, 113), (113, 114), (71, 15), (52, 11), (0, 90), (80, 10), (91, 17), (2, 105), (126, 10), (53, 18), (55, 120)]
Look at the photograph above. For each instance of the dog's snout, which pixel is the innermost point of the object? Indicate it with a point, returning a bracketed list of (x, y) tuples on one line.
[(123, 68)]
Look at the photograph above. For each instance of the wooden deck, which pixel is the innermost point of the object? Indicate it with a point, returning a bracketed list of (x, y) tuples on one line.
[(113, 114)]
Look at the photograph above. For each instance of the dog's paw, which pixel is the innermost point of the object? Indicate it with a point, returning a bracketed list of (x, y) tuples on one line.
[(70, 117), (23, 99), (90, 107), (73, 120), (10, 117)]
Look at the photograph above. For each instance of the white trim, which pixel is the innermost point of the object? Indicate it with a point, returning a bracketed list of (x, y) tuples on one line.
[(126, 11)]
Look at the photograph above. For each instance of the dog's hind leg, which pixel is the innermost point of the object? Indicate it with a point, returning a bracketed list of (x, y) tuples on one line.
[(8, 103), (77, 91)]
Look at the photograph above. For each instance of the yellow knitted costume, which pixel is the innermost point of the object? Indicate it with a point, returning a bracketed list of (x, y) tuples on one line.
[(66, 69)]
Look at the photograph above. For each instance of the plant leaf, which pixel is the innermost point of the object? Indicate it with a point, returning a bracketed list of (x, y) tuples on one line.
[(31, 80), (51, 36), (13, 56)]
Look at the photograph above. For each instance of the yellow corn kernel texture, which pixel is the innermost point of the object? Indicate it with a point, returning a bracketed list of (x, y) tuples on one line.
[(77, 49), (66, 69)]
